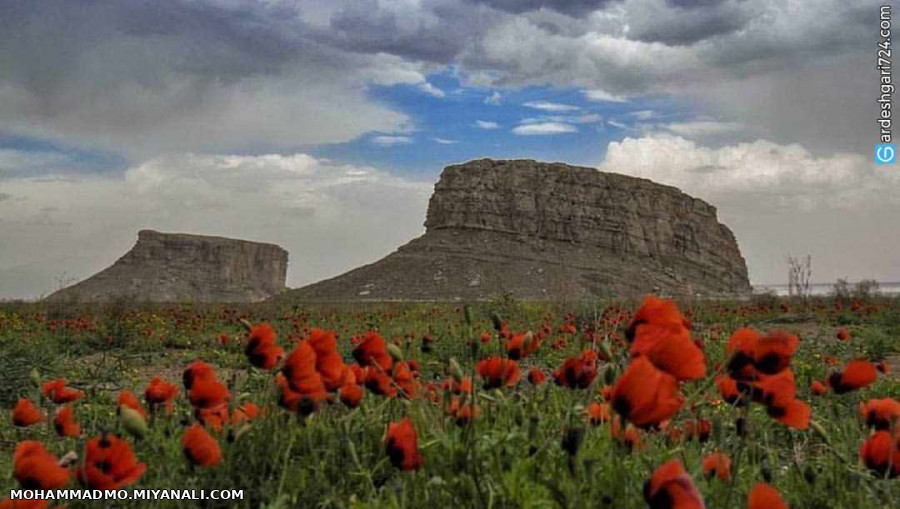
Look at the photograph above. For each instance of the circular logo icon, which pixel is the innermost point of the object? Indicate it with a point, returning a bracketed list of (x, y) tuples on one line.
[(885, 153)]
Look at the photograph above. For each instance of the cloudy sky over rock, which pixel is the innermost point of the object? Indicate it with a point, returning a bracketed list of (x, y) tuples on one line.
[(322, 125)]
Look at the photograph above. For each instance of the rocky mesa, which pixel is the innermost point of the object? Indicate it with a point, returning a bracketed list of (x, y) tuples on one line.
[(171, 267), (540, 230)]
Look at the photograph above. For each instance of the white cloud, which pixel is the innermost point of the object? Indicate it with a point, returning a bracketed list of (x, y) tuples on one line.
[(431, 90), (390, 141), (444, 141), (486, 124), (588, 118), (544, 128), (599, 95), (494, 99), (550, 106), (331, 217), (643, 114), (781, 199), (620, 125), (702, 128)]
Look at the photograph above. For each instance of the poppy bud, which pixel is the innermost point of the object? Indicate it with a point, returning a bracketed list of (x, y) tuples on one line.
[(35, 376), (765, 470), (740, 427), (809, 474), (456, 371), (533, 422), (242, 431), (819, 430), (609, 374), (605, 352), (572, 439), (467, 312), (496, 320), (395, 352), (133, 422)]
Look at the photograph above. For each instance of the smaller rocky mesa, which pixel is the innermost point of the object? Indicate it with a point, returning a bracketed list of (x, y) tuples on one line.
[(174, 267)]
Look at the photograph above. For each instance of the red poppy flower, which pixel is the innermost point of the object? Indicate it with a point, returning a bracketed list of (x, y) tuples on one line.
[(200, 448), (372, 351), (515, 347), (351, 395), (880, 413), (599, 413), (818, 388), (303, 403), (631, 438), (577, 372), (109, 464), (645, 395), (402, 445), (692, 429), (656, 311), (718, 465), (660, 332), (485, 337), (196, 371), (606, 392), (498, 372), (159, 391), (462, 413), (244, 413), (857, 374), (261, 349), (404, 379), (36, 469), (461, 387), (300, 372), (670, 487), (843, 335), (763, 496), (778, 393), (129, 400), (883, 367), (881, 453), (64, 423), (536, 377), (214, 417), (26, 414), (753, 355), (22, 503), (772, 353), (380, 383), (671, 350), (58, 393), (329, 362), (208, 394)]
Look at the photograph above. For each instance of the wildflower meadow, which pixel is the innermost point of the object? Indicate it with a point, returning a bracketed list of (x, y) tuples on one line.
[(764, 403)]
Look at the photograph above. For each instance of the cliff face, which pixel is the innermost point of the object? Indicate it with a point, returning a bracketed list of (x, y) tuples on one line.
[(164, 267), (539, 229)]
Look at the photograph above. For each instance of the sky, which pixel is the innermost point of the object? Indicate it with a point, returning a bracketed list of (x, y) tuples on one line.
[(322, 125)]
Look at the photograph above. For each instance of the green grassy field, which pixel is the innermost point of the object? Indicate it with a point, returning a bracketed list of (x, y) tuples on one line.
[(526, 446)]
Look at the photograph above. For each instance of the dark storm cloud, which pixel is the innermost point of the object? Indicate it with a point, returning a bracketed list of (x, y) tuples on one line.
[(570, 7), (680, 26), (435, 31), (689, 4), (146, 77), (155, 76)]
